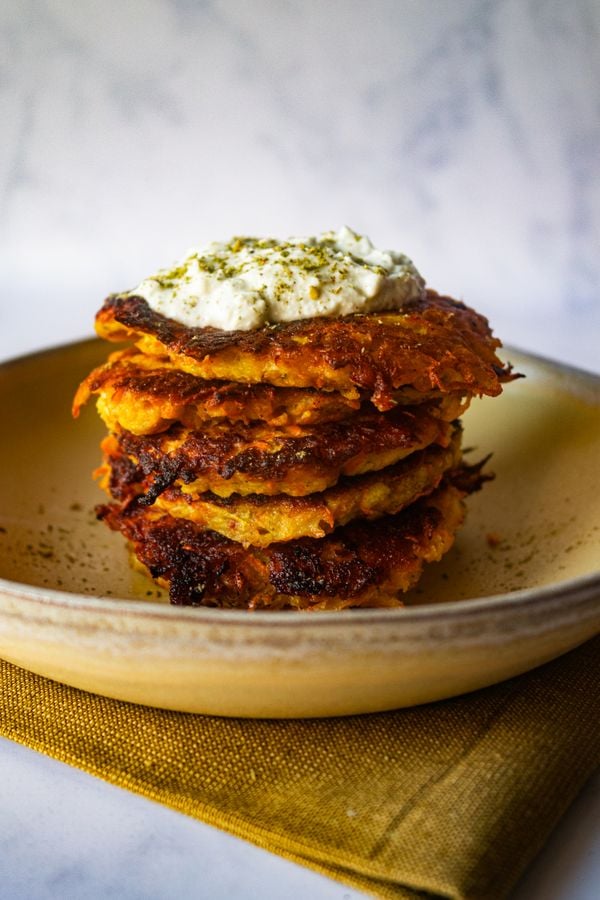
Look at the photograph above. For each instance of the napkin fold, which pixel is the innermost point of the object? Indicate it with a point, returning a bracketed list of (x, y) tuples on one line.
[(451, 800)]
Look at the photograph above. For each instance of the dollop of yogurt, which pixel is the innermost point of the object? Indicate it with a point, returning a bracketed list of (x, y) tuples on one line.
[(249, 282)]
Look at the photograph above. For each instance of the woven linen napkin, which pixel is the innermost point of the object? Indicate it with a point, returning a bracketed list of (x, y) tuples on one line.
[(452, 799)]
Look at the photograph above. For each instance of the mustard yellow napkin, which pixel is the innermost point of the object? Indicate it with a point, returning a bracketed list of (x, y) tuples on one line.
[(450, 800)]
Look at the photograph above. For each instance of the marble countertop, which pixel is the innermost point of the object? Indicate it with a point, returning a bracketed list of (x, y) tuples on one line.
[(66, 834)]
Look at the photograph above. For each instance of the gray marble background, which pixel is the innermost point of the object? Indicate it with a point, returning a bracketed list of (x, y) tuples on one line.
[(464, 132)]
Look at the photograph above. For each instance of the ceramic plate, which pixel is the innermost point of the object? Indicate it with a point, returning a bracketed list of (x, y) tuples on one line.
[(520, 586)]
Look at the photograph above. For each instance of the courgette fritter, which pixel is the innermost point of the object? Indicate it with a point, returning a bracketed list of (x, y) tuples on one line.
[(433, 344), (147, 394), (358, 565), (260, 520), (227, 458)]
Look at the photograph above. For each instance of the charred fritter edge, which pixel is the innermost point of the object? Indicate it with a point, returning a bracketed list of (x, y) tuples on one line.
[(146, 395), (228, 458), (259, 520), (361, 564), (435, 343)]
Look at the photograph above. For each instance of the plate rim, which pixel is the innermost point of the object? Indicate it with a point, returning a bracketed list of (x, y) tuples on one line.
[(576, 588)]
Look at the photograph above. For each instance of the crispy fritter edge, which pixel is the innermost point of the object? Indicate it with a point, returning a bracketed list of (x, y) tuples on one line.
[(360, 564), (435, 343)]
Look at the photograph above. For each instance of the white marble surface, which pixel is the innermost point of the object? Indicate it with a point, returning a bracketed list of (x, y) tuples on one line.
[(65, 834), (464, 132)]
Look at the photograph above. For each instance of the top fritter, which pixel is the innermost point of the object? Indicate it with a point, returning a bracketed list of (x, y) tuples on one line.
[(361, 322)]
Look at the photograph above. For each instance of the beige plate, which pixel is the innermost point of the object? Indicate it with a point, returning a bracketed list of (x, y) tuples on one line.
[(520, 587)]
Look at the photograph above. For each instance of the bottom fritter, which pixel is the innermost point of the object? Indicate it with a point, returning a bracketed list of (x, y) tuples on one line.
[(363, 564)]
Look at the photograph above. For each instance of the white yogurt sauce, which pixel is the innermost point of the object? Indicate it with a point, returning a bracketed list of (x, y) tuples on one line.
[(252, 282)]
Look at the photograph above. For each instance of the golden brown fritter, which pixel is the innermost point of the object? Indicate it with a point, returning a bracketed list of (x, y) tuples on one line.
[(259, 459), (360, 564), (260, 520), (145, 394), (312, 464), (432, 344)]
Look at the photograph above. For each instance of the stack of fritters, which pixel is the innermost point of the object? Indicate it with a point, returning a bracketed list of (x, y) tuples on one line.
[(314, 464)]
